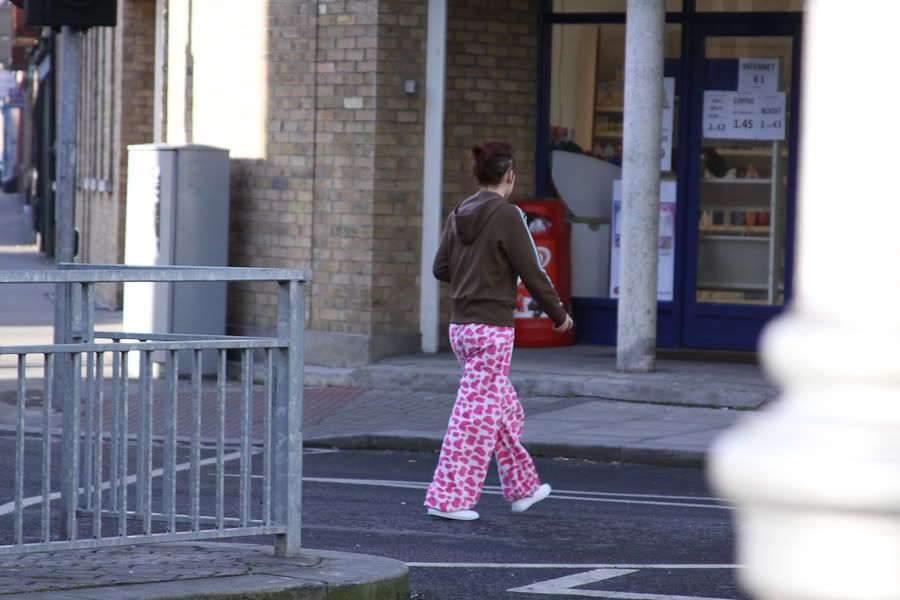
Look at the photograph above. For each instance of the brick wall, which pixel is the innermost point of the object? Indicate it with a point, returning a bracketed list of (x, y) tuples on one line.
[(336, 184), (339, 187), (116, 104), (491, 88), (367, 177), (327, 147), (343, 224), (262, 108), (399, 156)]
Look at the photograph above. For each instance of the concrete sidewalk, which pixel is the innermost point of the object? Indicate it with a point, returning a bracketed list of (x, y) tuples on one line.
[(576, 404), (200, 570)]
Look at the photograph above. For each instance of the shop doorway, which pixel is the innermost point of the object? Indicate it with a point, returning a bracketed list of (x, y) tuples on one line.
[(729, 175), (740, 183)]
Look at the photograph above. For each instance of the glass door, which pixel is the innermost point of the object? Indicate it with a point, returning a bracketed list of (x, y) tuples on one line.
[(741, 187)]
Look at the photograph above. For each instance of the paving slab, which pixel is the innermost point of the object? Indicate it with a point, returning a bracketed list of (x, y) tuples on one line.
[(573, 371), (576, 428)]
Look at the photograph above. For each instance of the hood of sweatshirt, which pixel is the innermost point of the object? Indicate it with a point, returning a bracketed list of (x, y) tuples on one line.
[(469, 218)]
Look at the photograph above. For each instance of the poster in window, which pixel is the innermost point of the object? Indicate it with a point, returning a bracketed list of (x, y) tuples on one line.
[(665, 278)]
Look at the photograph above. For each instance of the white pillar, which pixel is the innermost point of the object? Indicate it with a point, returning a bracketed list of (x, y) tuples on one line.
[(817, 477), (636, 341), (160, 70), (178, 117), (429, 316)]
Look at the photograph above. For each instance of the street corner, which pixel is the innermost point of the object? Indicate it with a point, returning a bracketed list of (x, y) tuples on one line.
[(209, 570)]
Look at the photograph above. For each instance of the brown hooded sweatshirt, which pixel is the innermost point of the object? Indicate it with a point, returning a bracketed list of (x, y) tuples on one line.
[(485, 246)]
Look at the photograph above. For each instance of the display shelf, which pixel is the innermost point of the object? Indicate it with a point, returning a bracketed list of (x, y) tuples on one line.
[(745, 230), (740, 263), (734, 286), (748, 152), (740, 207), (728, 297), (608, 116), (736, 181), (739, 238)]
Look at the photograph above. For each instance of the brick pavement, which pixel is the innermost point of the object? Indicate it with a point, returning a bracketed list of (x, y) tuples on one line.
[(319, 404)]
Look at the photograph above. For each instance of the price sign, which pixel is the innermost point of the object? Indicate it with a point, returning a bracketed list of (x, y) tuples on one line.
[(741, 116), (716, 113), (742, 119), (771, 117), (758, 75)]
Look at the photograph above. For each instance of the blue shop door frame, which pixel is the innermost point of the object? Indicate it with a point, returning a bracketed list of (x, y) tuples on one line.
[(740, 197)]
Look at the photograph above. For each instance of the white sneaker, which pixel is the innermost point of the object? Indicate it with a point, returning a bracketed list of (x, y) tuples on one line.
[(456, 515), (525, 503)]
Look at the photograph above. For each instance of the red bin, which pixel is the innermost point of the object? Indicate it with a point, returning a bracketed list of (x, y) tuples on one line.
[(552, 237)]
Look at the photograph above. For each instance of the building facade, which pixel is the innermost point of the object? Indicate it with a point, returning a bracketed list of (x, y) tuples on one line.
[(322, 106)]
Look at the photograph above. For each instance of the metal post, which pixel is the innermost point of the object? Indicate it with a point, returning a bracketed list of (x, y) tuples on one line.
[(70, 66), (68, 386), (429, 317), (67, 128), (644, 29), (288, 446), (816, 476)]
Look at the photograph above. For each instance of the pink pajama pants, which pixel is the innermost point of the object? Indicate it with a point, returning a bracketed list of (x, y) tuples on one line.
[(487, 418)]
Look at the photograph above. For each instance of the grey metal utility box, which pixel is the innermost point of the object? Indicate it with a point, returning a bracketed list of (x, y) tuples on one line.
[(176, 214)]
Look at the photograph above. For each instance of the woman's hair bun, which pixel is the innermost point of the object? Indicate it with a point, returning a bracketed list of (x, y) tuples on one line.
[(490, 161)]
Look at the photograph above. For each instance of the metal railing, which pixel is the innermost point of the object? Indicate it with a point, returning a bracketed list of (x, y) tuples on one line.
[(154, 458)]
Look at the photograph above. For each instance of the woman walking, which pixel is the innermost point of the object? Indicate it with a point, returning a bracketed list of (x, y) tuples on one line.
[(484, 247)]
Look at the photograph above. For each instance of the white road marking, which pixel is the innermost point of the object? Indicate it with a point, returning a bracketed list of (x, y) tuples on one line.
[(11, 506), (667, 567), (564, 495), (565, 586)]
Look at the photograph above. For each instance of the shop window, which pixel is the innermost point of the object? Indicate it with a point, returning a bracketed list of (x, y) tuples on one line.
[(749, 5), (743, 187), (603, 6), (587, 85)]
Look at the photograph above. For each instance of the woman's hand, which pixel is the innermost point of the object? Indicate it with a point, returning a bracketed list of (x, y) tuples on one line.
[(565, 326)]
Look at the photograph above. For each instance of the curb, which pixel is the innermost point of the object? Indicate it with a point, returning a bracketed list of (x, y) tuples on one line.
[(662, 389), (315, 574), (666, 457)]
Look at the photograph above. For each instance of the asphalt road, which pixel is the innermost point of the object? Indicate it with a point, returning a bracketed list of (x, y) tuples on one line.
[(638, 532), (608, 531)]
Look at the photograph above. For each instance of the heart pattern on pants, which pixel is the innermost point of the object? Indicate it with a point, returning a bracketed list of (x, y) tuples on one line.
[(487, 419)]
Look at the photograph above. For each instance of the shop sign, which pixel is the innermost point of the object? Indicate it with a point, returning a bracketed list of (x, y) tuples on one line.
[(771, 117), (743, 116), (665, 279), (758, 75)]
